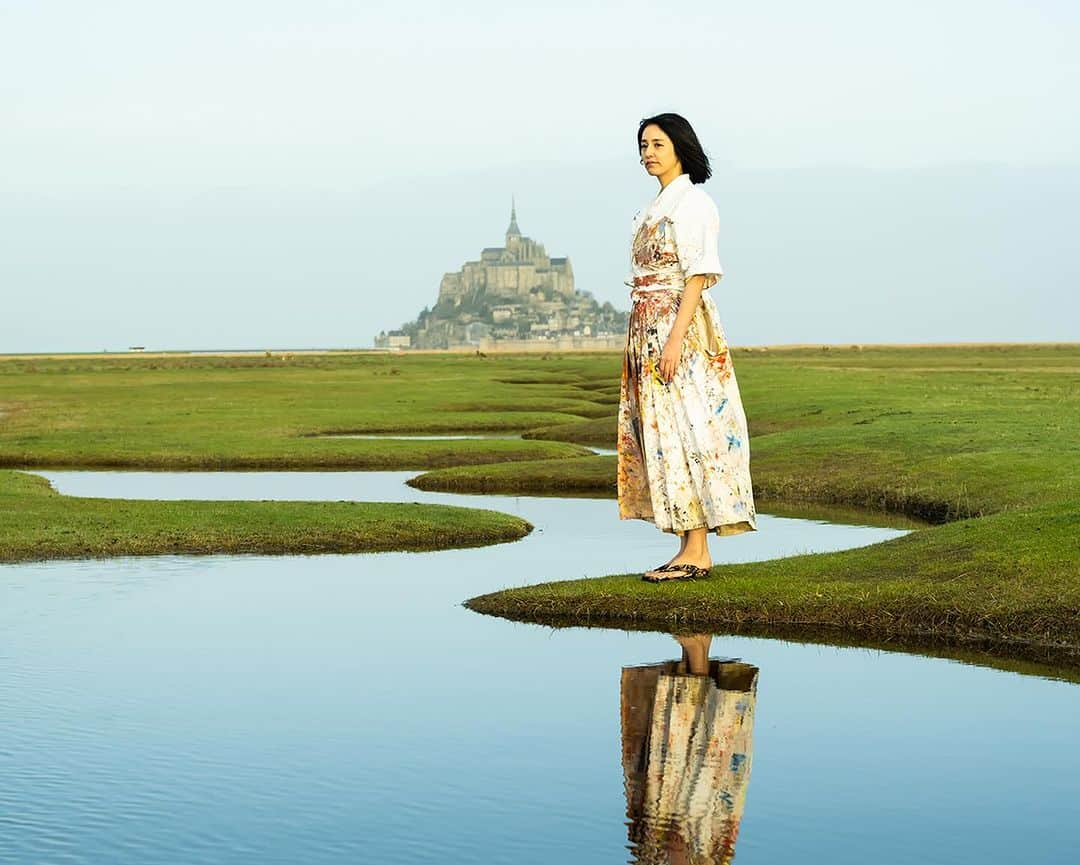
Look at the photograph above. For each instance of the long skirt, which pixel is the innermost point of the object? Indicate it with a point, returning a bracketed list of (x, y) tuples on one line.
[(683, 447)]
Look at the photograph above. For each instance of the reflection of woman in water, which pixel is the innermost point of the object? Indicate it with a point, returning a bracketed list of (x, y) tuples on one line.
[(686, 744)]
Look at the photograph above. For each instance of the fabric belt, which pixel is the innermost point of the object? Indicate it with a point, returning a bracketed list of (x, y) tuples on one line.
[(658, 282)]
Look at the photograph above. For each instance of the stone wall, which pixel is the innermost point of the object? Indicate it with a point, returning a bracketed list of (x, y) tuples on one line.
[(562, 343)]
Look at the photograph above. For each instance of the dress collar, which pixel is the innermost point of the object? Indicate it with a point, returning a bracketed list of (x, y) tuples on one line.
[(666, 199), (679, 182)]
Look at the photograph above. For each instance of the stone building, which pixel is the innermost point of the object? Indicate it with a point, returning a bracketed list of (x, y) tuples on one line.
[(511, 292), (517, 271)]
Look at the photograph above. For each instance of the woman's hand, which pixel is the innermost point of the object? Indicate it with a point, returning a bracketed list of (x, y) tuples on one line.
[(669, 358)]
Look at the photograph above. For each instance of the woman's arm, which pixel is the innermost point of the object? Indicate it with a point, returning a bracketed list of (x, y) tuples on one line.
[(691, 296), (697, 232)]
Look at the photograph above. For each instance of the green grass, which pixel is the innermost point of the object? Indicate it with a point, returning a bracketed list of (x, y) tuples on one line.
[(957, 581), (938, 433), (598, 432), (38, 523), (981, 441), (214, 413), (591, 474), (217, 413)]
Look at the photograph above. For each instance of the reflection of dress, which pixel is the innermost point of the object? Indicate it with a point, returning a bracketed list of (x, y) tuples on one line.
[(686, 744), (683, 446)]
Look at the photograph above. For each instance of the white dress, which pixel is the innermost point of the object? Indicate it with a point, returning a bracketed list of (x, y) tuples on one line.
[(683, 447), (682, 240)]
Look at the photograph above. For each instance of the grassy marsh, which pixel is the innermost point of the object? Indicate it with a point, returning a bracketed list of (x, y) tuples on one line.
[(978, 440)]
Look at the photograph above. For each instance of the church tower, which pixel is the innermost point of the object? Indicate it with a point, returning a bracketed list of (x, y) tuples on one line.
[(513, 233)]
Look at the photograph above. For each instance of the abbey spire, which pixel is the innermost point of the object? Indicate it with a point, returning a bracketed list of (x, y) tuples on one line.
[(513, 230)]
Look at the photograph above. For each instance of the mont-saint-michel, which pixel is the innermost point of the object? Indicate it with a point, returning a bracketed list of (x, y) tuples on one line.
[(514, 297)]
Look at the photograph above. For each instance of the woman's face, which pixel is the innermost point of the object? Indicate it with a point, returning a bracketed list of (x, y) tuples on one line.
[(658, 152)]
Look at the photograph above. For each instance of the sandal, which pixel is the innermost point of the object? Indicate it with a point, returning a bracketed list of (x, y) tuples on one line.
[(658, 569), (689, 572)]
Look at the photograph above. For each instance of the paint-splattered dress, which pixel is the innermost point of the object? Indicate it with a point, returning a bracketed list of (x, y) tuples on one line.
[(687, 748), (683, 448)]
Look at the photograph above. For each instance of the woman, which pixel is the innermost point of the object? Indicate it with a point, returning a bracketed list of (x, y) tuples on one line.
[(683, 448)]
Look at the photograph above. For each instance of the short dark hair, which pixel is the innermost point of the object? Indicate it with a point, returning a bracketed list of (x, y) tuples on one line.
[(688, 149)]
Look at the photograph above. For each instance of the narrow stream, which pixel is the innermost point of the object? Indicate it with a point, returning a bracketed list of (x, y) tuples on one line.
[(346, 708)]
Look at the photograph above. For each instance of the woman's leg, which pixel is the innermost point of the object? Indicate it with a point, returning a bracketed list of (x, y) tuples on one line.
[(683, 538), (694, 550), (695, 652)]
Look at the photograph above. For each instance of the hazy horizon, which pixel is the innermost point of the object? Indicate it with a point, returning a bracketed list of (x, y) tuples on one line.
[(286, 175)]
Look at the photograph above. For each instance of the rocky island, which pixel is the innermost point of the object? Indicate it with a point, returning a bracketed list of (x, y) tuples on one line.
[(513, 298)]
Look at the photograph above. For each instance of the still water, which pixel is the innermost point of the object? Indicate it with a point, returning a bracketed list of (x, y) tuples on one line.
[(346, 708)]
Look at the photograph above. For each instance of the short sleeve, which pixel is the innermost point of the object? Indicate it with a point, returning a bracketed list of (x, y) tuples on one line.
[(697, 239)]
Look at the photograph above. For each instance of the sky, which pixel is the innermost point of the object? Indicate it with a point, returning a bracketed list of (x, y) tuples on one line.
[(301, 174)]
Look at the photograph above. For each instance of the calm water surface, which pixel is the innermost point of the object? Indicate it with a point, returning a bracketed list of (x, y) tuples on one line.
[(346, 708)]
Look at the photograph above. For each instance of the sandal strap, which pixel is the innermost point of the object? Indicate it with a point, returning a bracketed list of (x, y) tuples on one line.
[(676, 579), (682, 566), (688, 571)]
